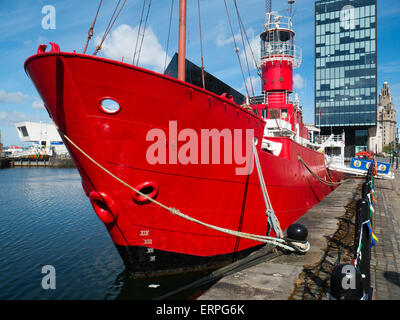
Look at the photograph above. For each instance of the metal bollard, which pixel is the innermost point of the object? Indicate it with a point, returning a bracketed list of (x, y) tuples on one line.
[(362, 230)]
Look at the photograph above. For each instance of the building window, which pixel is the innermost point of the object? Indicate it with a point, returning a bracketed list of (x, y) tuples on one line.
[(23, 131)]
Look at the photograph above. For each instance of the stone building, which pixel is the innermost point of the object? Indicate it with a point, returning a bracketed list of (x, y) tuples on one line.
[(384, 133)]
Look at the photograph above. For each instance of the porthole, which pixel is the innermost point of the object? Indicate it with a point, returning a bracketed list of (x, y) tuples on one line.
[(109, 106)]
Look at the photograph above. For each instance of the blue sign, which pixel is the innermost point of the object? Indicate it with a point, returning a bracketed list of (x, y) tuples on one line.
[(56, 143), (365, 164)]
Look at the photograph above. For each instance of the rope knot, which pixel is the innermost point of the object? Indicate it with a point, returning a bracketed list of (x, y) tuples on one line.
[(90, 32), (175, 211)]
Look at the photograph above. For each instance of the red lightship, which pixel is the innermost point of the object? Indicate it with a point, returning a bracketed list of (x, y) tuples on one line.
[(77, 88)]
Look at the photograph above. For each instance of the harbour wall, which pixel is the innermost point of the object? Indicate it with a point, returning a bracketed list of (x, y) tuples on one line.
[(49, 162)]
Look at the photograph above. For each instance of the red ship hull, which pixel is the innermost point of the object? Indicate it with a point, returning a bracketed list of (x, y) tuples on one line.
[(149, 238)]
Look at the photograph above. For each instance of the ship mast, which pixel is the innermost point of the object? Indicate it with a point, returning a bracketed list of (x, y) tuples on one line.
[(182, 40)]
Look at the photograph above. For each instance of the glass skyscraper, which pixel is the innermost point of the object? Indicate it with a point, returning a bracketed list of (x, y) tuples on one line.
[(346, 69)]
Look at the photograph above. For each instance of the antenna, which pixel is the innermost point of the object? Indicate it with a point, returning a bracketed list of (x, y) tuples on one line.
[(268, 6), (268, 9), (291, 5)]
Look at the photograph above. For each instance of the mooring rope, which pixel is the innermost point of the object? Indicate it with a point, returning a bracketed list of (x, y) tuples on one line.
[(272, 219), (282, 243), (320, 179)]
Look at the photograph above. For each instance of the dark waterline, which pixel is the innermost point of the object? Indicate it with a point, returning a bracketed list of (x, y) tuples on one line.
[(46, 219)]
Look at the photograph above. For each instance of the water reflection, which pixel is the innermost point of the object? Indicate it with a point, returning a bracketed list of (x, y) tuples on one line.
[(165, 287), (46, 219)]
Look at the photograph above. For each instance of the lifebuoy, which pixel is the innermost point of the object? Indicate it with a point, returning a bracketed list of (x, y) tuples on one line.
[(104, 206), (150, 188)]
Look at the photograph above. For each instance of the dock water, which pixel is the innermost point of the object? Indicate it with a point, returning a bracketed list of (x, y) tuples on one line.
[(331, 235)]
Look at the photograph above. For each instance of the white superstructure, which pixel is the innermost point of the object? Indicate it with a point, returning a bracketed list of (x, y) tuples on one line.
[(44, 137)]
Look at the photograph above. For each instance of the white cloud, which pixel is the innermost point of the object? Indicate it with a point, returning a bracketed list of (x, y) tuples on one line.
[(37, 104), (298, 81), (121, 44), (252, 83), (389, 67), (10, 118), (253, 50), (222, 40), (12, 97)]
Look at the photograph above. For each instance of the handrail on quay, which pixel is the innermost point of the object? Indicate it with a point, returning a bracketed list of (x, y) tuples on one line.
[(353, 281)]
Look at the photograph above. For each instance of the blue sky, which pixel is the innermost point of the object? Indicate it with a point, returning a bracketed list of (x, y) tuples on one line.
[(21, 33)]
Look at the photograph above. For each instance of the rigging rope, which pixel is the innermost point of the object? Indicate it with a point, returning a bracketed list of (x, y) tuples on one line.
[(201, 47), (236, 49), (169, 33), (249, 45), (90, 31), (244, 48), (138, 35), (144, 31), (279, 242), (110, 25)]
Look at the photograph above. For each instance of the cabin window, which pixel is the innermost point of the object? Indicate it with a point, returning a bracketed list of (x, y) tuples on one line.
[(23, 131), (284, 113), (284, 36), (264, 113), (274, 113)]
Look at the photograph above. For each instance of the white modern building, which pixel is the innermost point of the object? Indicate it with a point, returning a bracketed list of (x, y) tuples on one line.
[(44, 137)]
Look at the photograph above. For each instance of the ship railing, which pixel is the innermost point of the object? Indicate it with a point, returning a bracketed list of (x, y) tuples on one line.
[(337, 138), (275, 98), (275, 21), (272, 51), (258, 99), (63, 155)]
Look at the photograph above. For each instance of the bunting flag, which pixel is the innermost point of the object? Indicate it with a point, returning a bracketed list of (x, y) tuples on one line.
[(374, 238), (371, 206), (372, 191)]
